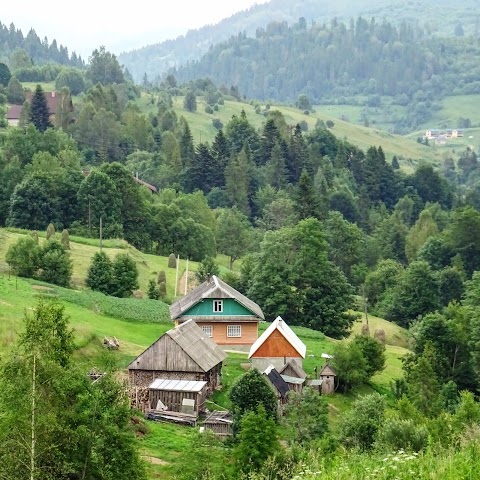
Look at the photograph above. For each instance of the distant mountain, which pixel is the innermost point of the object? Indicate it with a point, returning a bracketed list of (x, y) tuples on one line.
[(40, 51), (437, 16)]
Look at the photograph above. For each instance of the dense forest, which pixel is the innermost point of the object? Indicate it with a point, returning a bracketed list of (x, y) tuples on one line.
[(37, 51), (340, 62), (431, 15)]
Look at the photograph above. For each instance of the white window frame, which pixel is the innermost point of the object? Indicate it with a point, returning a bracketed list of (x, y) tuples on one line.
[(218, 306), (234, 331), (207, 330)]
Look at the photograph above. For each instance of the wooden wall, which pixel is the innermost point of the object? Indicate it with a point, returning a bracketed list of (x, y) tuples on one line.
[(276, 345), (249, 333), (173, 400), (165, 355)]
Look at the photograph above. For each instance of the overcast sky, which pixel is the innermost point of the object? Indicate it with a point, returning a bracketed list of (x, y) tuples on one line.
[(86, 24)]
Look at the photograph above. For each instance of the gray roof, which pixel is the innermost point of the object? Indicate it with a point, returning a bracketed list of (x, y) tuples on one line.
[(189, 337), (327, 370), (277, 381), (300, 373), (212, 288), (293, 380), (177, 385)]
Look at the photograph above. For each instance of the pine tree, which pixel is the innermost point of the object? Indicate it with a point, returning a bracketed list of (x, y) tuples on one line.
[(237, 182), (270, 138), (221, 150), (306, 198), (187, 149), (276, 171), (203, 174), (39, 112)]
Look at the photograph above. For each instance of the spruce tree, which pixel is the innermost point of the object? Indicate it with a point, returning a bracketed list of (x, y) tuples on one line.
[(153, 292), (100, 274), (306, 198), (39, 111)]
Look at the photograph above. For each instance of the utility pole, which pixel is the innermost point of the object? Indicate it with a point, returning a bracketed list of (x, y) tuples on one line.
[(89, 218), (33, 439), (101, 226), (176, 277), (365, 308), (186, 278)]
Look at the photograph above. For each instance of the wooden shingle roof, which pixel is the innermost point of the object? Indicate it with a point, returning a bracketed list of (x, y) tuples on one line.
[(189, 337), (212, 288)]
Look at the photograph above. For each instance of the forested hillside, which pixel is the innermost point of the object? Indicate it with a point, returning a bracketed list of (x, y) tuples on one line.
[(355, 63), (438, 17), (38, 51)]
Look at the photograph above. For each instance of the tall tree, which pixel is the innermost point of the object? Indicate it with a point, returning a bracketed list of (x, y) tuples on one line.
[(306, 198), (39, 111), (104, 67)]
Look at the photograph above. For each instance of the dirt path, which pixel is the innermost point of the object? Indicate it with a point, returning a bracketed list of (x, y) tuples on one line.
[(154, 460)]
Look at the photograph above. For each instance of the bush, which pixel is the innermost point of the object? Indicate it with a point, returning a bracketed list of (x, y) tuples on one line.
[(24, 257), (125, 276), (100, 273), (374, 353), (349, 365), (55, 264), (329, 124), (304, 126), (215, 107), (221, 101), (172, 261), (208, 109), (216, 122), (401, 434), (306, 112), (153, 292), (359, 426), (206, 269)]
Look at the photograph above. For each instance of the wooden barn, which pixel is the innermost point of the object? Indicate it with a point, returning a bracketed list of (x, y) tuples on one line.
[(225, 315), (182, 353), (277, 346), (170, 394)]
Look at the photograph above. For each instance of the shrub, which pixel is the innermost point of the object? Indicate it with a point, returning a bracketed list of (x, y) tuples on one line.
[(360, 424), (24, 257), (50, 231), (350, 365), (153, 292), (329, 124), (206, 269), (221, 101), (208, 109), (216, 122), (401, 434), (172, 261), (55, 264), (306, 112), (374, 353), (304, 126), (125, 276), (215, 107)]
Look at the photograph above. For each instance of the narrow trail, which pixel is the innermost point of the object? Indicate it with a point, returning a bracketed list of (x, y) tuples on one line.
[(192, 283)]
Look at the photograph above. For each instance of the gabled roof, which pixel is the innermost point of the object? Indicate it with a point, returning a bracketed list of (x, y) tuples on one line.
[(14, 112), (299, 372), (195, 344), (327, 370), (277, 381), (212, 288), (289, 335)]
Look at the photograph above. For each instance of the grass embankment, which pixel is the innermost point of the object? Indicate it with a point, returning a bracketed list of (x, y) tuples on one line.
[(83, 249)]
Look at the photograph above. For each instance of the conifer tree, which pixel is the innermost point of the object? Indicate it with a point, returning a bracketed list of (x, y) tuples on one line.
[(306, 198), (39, 112), (153, 292), (276, 169), (190, 101), (221, 150), (100, 274)]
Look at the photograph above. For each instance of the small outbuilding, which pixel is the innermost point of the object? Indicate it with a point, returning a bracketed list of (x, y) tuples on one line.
[(220, 423), (294, 375), (279, 385), (172, 394), (327, 376), (277, 346)]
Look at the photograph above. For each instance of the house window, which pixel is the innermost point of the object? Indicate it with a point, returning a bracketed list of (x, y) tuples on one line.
[(208, 330), (218, 306), (234, 330)]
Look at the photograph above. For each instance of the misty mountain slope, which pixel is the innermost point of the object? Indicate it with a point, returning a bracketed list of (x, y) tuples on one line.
[(440, 17)]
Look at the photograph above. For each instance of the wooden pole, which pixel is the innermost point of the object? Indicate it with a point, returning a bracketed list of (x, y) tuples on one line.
[(176, 277), (186, 278), (101, 232), (365, 308), (89, 218), (33, 439)]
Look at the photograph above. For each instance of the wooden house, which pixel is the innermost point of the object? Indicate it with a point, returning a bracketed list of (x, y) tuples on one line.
[(277, 345), (327, 376), (225, 315), (182, 353), (171, 394)]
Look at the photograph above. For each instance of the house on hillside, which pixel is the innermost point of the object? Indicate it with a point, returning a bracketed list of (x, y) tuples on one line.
[(55, 101), (277, 346), (183, 353), (225, 315)]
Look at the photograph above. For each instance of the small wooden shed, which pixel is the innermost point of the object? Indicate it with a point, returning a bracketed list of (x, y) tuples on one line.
[(294, 375), (277, 345), (327, 376), (172, 393), (220, 423)]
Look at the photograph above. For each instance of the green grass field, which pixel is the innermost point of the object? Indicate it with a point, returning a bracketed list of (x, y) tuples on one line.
[(83, 249)]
